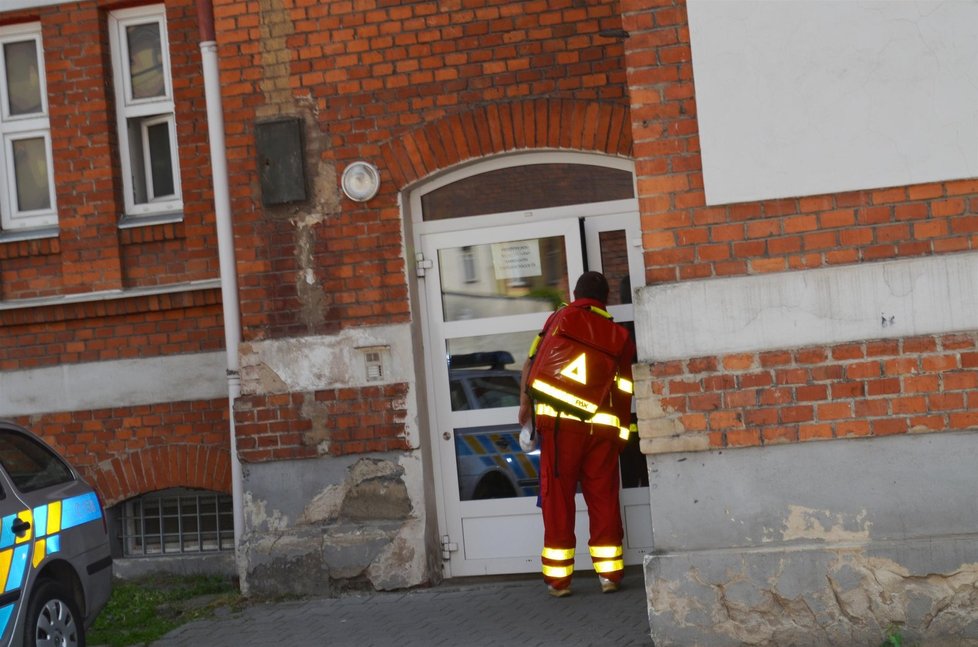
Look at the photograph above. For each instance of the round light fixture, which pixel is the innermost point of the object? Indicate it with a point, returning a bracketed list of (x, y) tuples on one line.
[(360, 181)]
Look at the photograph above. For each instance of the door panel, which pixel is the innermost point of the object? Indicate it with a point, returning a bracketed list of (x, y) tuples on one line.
[(614, 247)]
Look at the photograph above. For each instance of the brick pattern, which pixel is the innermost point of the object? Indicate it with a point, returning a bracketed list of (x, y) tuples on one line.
[(332, 422), (413, 87), (138, 327), (874, 388), (129, 451), (684, 239), (91, 252)]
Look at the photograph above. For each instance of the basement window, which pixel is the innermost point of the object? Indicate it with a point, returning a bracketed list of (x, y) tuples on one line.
[(174, 522)]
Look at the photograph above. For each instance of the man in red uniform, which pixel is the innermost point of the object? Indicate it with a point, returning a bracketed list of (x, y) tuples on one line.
[(576, 451)]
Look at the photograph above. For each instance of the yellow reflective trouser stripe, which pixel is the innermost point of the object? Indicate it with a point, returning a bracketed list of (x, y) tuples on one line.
[(606, 551), (625, 385), (609, 566), (557, 571), (559, 554)]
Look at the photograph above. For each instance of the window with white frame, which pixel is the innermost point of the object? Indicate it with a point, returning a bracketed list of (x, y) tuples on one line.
[(145, 112), (26, 173)]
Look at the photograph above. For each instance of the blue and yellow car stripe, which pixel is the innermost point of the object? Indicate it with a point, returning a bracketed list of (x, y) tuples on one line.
[(43, 535)]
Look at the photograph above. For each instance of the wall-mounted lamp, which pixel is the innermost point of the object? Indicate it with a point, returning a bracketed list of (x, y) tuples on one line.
[(360, 181)]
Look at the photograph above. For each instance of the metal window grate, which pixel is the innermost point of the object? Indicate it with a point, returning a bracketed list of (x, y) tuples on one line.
[(174, 522)]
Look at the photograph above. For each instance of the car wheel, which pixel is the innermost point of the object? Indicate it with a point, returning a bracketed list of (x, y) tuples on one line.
[(52, 618)]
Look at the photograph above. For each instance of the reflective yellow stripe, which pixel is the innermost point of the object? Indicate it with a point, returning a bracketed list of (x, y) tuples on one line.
[(5, 557), (598, 311), (623, 433), (534, 346), (603, 419), (624, 384), (39, 552), (558, 571), (558, 553), (609, 566), (54, 518), (564, 396), (546, 410), (606, 552)]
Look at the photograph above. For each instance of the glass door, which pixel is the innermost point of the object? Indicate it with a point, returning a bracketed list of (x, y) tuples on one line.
[(488, 292)]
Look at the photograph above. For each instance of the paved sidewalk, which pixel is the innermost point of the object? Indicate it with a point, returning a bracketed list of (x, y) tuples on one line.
[(513, 612)]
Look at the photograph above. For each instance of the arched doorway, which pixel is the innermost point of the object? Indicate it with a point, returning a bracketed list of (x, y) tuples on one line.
[(498, 245)]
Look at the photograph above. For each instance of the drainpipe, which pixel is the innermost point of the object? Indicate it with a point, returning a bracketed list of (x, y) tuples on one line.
[(225, 251)]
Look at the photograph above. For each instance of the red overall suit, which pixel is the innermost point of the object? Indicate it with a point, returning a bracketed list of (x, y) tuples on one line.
[(586, 452)]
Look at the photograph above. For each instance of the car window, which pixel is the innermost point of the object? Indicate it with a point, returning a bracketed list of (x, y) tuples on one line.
[(31, 465)]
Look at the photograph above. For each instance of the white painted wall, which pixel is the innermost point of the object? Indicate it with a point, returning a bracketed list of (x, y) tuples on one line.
[(889, 299), (122, 383), (802, 97)]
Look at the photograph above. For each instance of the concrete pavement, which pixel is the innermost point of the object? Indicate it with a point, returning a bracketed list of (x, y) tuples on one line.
[(512, 611)]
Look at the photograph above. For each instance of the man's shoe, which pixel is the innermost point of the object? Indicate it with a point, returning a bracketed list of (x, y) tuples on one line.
[(558, 593), (608, 586)]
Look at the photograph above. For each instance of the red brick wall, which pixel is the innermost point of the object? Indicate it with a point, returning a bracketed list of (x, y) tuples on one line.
[(130, 450), (412, 87), (133, 450), (871, 388), (685, 239), (333, 421), (91, 253)]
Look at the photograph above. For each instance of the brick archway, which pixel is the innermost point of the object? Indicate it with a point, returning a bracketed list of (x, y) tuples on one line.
[(503, 127), (159, 468)]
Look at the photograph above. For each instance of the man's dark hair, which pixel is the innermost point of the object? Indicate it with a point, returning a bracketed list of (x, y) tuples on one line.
[(592, 285)]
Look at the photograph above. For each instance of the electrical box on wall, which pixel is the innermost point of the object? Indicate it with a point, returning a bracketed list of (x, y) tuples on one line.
[(281, 163)]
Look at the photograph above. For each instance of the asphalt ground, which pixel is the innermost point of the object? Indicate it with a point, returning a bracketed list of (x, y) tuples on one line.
[(513, 611)]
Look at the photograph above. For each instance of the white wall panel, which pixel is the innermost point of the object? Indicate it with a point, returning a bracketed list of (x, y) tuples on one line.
[(811, 307), (802, 97), (122, 383)]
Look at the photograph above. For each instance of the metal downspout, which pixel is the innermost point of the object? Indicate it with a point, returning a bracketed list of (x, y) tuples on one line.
[(225, 249)]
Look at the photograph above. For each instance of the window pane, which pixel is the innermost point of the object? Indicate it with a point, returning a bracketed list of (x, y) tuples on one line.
[(23, 78), (31, 172), (508, 278), (146, 61), (160, 161), (522, 188)]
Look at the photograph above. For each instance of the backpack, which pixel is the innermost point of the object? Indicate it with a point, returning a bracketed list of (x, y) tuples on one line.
[(576, 360)]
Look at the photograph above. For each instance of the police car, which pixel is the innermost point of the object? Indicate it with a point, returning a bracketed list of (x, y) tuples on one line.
[(491, 464), (55, 562)]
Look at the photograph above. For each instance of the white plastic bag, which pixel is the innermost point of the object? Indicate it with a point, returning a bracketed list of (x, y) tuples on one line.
[(529, 441)]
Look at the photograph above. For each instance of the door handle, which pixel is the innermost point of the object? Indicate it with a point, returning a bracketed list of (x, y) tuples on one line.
[(20, 526)]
